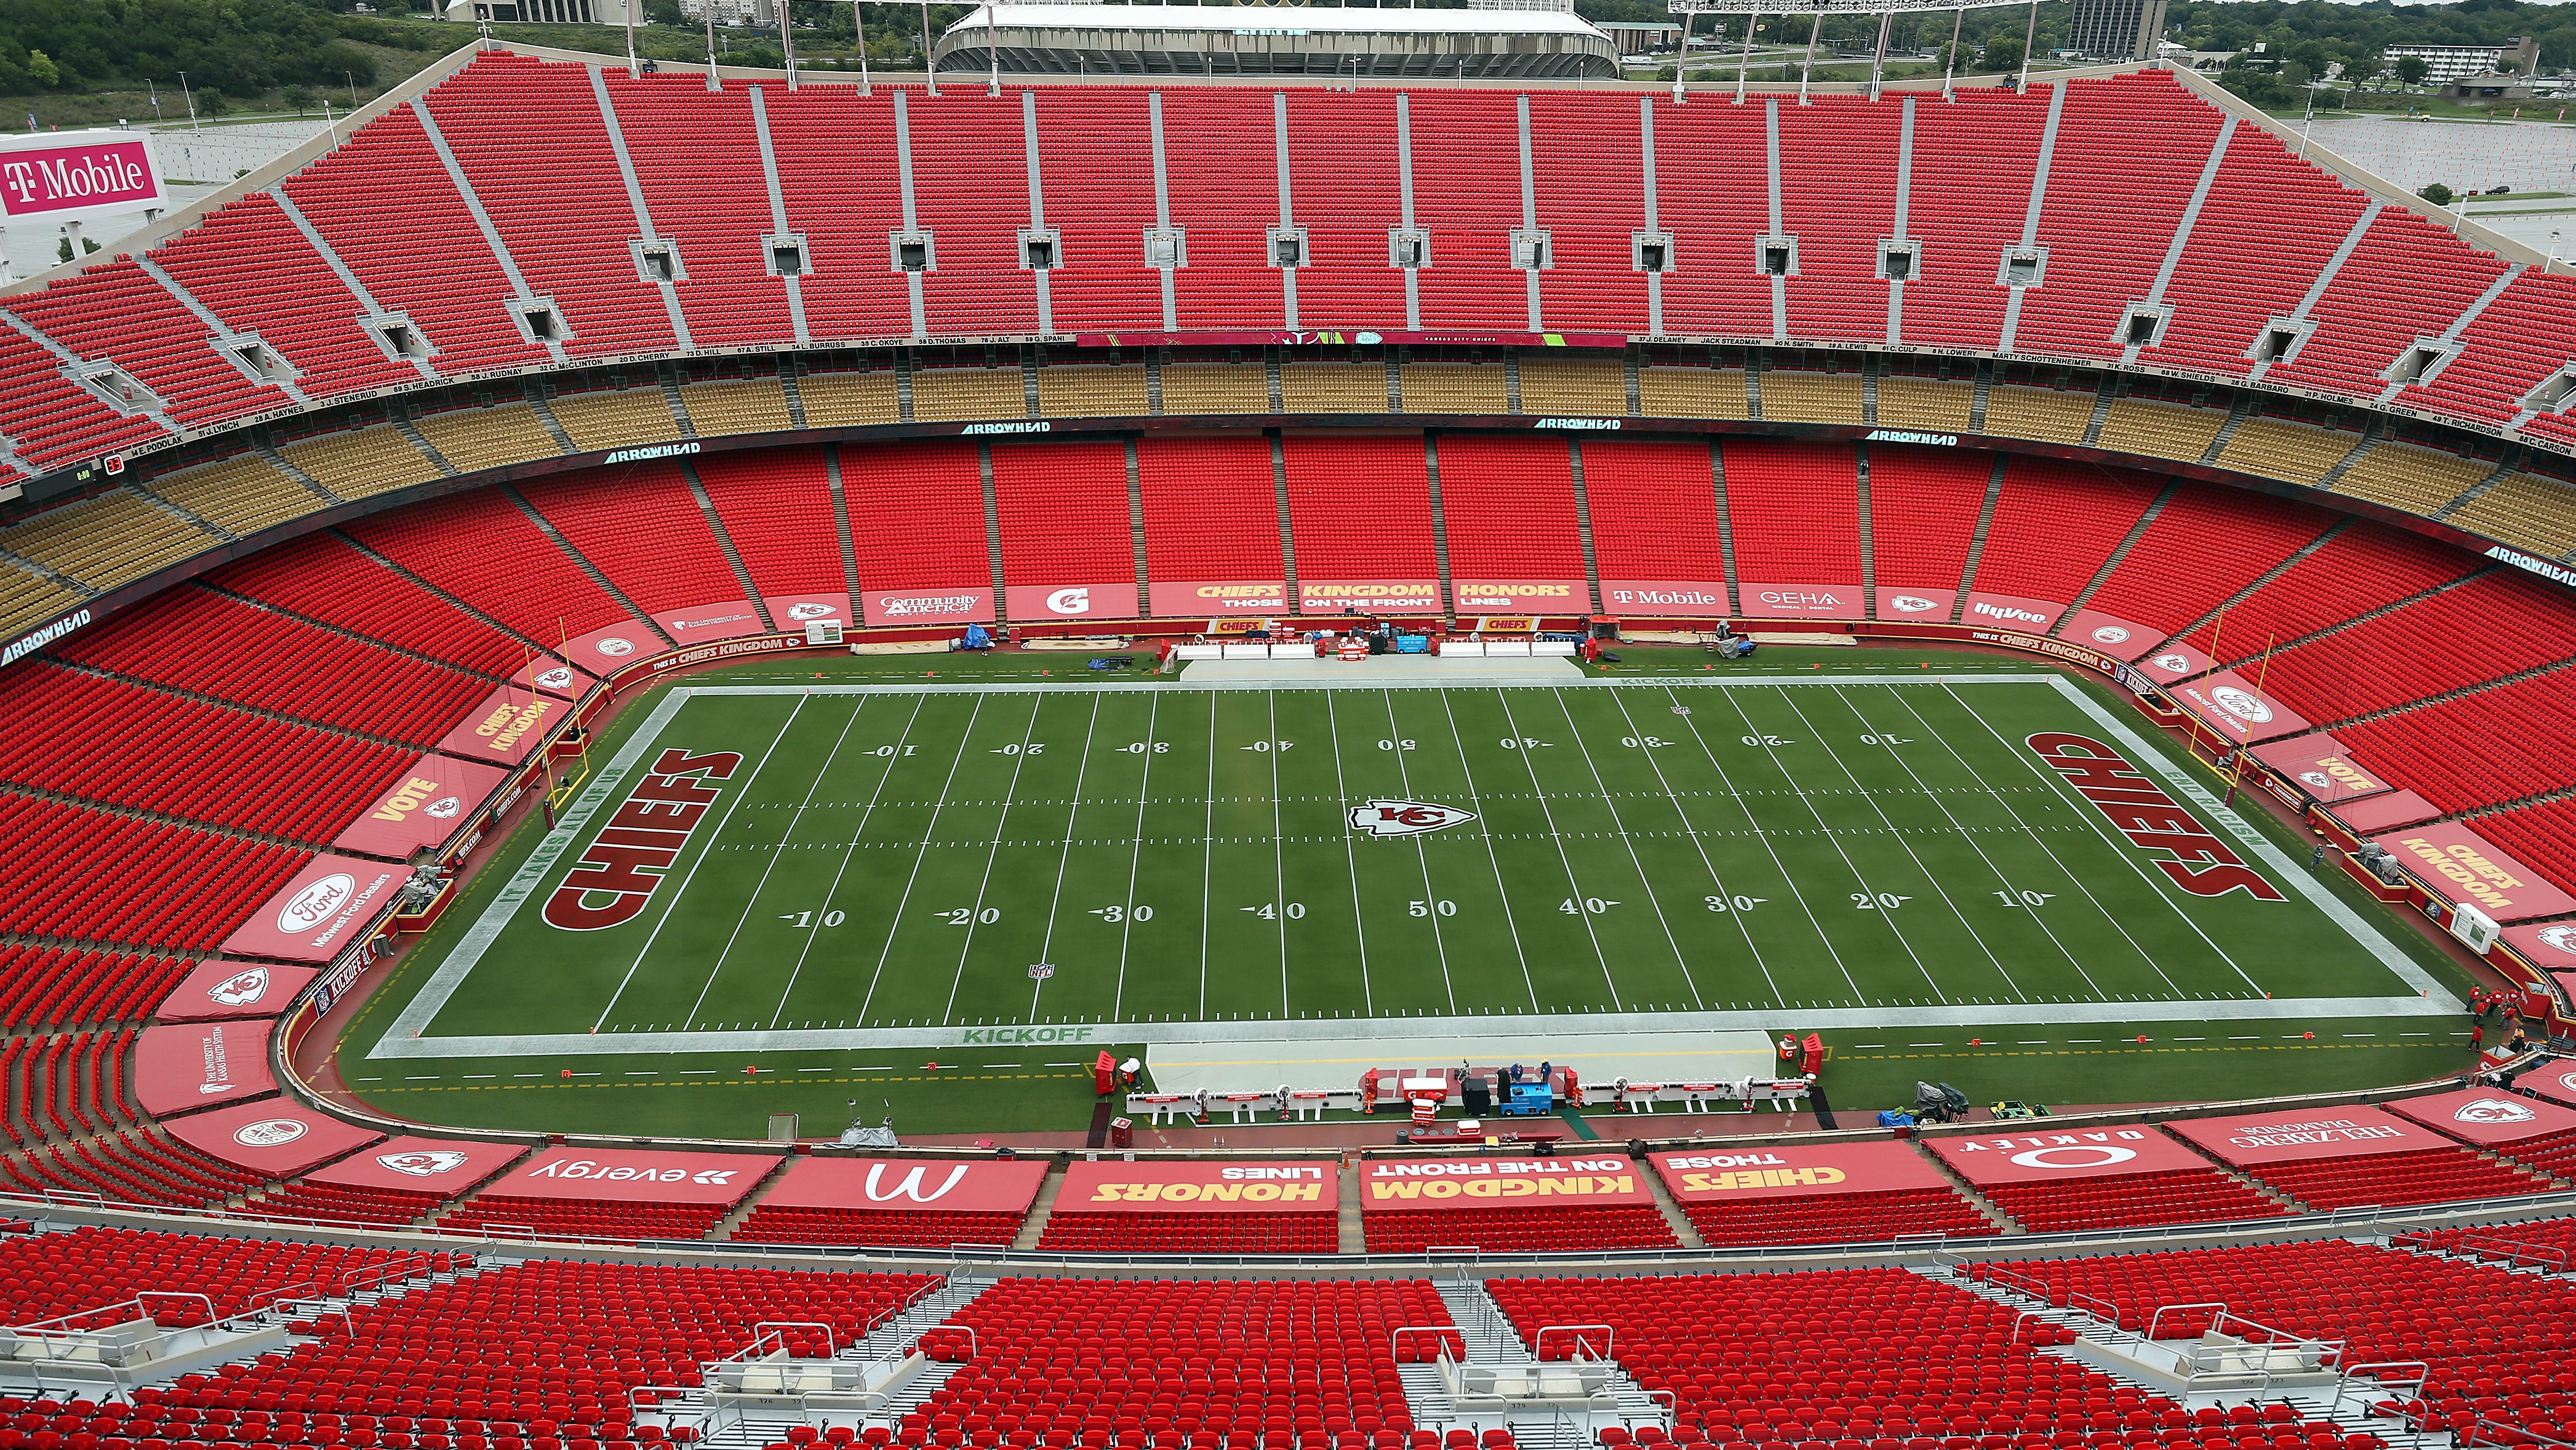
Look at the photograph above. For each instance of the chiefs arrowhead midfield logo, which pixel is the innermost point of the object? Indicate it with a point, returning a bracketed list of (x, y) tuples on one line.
[(2494, 1110), (423, 1164), (1406, 818)]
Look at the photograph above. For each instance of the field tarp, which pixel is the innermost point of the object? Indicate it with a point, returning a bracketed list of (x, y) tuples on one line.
[(2488, 1117), (2058, 1156), (315, 916), (220, 989), (421, 1165), (2300, 1135), (2319, 765), (506, 727), (179, 1066), (426, 806), (1711, 1175), (1194, 1187), (2465, 868), (634, 1175), (891, 1185), (275, 1139), (2228, 703), (1398, 1184)]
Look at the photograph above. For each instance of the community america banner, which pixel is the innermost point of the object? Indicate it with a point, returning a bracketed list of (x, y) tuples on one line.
[(182, 1066)]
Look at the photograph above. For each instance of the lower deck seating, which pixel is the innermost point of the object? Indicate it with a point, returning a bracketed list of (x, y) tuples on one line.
[(45, 1275), (42, 987), (2434, 1175), (1839, 1219), (2187, 1195), (1550, 1229), (59, 1086), (875, 1227), (1184, 1361), (1192, 1233), (329, 1203), (2493, 1343), (132, 1165), (583, 1219)]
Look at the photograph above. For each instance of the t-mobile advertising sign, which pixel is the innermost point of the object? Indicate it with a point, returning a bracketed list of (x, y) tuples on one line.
[(69, 176)]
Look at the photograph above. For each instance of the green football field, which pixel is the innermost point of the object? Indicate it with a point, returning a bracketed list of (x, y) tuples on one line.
[(1058, 866)]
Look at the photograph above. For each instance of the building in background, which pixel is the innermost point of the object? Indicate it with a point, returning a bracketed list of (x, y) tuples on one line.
[(2117, 29), (2451, 62)]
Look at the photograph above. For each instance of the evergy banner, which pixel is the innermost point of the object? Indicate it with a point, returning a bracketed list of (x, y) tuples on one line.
[(182, 1066), (1799, 601), (314, 917), (1200, 1188), (1680, 598), (275, 1139), (1713, 1175), (2319, 765), (895, 1185), (1368, 596), (2077, 1153), (434, 797), (69, 176), (2463, 867), (421, 1165), (927, 606), (220, 989), (2228, 703), (1396, 1184), (635, 1175), (2305, 1133), (506, 727), (1072, 601), (1523, 596), (2487, 1116), (1217, 598)]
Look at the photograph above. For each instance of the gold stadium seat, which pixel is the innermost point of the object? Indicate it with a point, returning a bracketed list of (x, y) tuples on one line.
[(1463, 388), (2292, 452), (1328, 387), (616, 418), (2526, 512), (2417, 480), (27, 596), (738, 405), (1569, 386), (241, 495), (1221, 388), (107, 541), (362, 464), (1797, 397), (848, 400), (1092, 391), (2161, 430), (478, 438), (1930, 404), (944, 395), (2046, 415), (1691, 392)]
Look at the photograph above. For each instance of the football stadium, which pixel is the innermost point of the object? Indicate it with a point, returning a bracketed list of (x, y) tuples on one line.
[(1110, 718)]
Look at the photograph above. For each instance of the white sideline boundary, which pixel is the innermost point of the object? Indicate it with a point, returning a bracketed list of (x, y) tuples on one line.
[(406, 1038)]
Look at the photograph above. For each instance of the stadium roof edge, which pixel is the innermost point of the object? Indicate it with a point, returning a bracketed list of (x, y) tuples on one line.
[(1354, 20)]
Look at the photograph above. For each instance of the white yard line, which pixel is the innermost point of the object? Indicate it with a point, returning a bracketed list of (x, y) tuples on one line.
[(1422, 859), (1558, 840), (992, 853), (1135, 859), (1081, 771), (672, 902), (1484, 829), (1645, 882), (894, 925), (847, 855), (1207, 859), (753, 900), (1699, 844), (1278, 847), (1350, 854)]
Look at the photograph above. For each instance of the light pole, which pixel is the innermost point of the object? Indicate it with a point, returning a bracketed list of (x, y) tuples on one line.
[(993, 45), (859, 21), (786, 39), (1807, 71), (929, 68), (2030, 37), (1950, 70), (1689, 11), (192, 100), (713, 84), (156, 99), (1744, 63)]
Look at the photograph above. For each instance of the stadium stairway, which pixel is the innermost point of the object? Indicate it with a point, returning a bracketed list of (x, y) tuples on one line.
[(1491, 1340), (759, 1425), (2351, 1415)]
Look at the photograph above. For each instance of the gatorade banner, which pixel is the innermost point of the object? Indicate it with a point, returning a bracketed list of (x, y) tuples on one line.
[(2302, 1134), (1395, 1184), (1702, 1175), (896, 1185), (1117, 1187), (1523, 596), (1074, 601), (2228, 703), (635, 1175), (2489, 1117), (426, 806), (2464, 868), (220, 989), (180, 1067), (2119, 638), (506, 727), (274, 1139), (1799, 601), (1220, 598), (313, 917), (2076, 1153), (2011, 611), (729, 619), (421, 1165), (1917, 606), (1671, 598), (2319, 765), (933, 607), (1368, 596)]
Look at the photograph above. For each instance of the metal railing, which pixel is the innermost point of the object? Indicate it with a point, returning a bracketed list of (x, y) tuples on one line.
[(2551, 1258), (1582, 1347), (2414, 1388)]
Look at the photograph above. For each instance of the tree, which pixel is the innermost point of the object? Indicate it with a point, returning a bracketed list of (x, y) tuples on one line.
[(2362, 72), (2411, 70), (2437, 194), (42, 70), (301, 98), (2002, 53)]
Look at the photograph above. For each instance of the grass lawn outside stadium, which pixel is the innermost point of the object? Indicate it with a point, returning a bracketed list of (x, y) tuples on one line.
[(1006, 874)]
